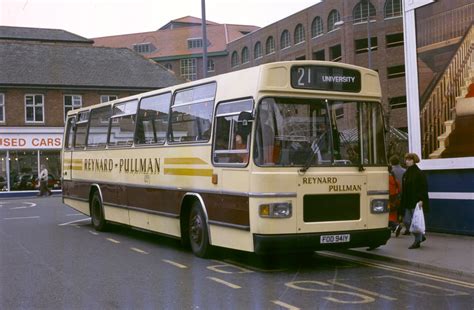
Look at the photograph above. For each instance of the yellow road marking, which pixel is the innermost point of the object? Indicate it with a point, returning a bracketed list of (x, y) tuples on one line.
[(234, 286), (284, 305), (401, 270), (174, 263)]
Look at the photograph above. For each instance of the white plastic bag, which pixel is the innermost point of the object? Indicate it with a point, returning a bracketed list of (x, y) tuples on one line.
[(418, 221)]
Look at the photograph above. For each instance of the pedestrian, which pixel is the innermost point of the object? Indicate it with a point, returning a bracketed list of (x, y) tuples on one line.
[(414, 191), (398, 172), (43, 179), (394, 201)]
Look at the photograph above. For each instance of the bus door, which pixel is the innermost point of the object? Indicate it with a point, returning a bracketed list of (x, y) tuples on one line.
[(329, 201), (68, 148)]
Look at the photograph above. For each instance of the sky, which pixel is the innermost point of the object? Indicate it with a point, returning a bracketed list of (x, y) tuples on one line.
[(97, 18)]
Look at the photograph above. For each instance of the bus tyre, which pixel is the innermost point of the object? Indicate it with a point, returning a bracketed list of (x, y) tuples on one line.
[(97, 213), (198, 233)]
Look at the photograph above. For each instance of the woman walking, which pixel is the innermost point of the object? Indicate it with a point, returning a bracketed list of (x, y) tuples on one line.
[(415, 191)]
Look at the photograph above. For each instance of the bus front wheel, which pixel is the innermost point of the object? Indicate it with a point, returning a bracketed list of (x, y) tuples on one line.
[(97, 213), (198, 233)]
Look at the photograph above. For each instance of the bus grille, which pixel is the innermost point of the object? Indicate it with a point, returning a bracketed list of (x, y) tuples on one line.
[(325, 208)]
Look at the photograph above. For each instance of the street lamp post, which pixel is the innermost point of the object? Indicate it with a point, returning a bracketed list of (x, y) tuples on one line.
[(204, 39), (369, 40)]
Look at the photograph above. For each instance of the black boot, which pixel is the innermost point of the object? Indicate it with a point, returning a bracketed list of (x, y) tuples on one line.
[(415, 245)]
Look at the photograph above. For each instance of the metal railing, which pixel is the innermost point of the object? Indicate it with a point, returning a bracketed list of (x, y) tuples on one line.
[(439, 105), (444, 26)]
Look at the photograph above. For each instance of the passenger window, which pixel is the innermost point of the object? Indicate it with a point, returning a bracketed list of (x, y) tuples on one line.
[(81, 129), (232, 133), (70, 128), (191, 114), (153, 119), (99, 125), (122, 126)]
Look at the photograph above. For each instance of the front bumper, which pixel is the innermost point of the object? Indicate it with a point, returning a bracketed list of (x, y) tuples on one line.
[(288, 243)]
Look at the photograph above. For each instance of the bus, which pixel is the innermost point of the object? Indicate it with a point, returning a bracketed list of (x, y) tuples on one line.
[(282, 157)]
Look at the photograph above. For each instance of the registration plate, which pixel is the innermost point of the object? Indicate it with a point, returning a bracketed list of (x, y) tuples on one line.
[(335, 238)]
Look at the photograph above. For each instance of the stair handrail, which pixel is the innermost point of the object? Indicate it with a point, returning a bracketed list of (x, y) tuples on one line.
[(439, 105)]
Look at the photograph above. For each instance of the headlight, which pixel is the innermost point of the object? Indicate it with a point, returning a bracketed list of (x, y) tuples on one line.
[(379, 206), (277, 210)]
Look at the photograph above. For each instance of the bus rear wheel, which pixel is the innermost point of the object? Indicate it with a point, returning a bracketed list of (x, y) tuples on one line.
[(97, 213), (198, 232)]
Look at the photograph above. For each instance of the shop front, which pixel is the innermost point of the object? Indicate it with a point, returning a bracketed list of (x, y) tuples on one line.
[(23, 151)]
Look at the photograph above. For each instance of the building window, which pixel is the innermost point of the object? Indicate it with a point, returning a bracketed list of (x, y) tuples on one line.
[(245, 55), (299, 34), (195, 43), (335, 53), (396, 71), (339, 113), (393, 8), (317, 27), (394, 40), (2, 109), (319, 55), (210, 65), (188, 69), (333, 18), (257, 50), (362, 11), (71, 102), (269, 46), (34, 108), (397, 102), (143, 48), (169, 66), (107, 98), (234, 61), (362, 45), (285, 39)]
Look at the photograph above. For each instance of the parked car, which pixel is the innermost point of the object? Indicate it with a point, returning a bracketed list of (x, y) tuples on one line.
[(52, 182)]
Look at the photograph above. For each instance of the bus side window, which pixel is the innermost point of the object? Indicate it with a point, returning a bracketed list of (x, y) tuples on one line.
[(232, 132), (191, 114), (152, 119), (99, 126), (80, 133), (122, 126), (69, 136)]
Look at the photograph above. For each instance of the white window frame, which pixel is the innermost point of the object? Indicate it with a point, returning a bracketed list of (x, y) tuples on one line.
[(2, 107), (188, 68), (211, 66), (73, 105), (34, 106), (108, 98)]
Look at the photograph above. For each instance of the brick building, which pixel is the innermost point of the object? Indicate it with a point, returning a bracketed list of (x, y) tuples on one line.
[(45, 73), (178, 45), (336, 31)]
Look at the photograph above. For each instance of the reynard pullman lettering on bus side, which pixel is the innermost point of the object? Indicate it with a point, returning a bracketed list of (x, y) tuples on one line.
[(332, 182), (123, 165)]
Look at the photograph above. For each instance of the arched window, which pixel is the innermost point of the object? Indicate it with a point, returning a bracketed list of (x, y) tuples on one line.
[(245, 55), (393, 8), (299, 34), (234, 61), (333, 18), (269, 45), (257, 50), (317, 27), (285, 39), (362, 10)]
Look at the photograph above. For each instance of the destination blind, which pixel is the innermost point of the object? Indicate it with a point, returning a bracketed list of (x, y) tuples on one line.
[(326, 78)]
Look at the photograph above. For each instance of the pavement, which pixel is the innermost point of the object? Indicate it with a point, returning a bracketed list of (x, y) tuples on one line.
[(440, 252)]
